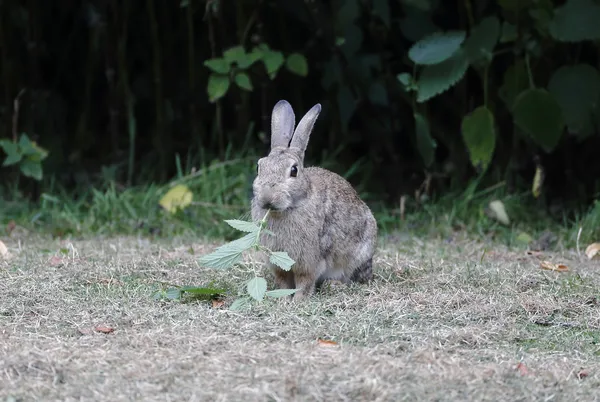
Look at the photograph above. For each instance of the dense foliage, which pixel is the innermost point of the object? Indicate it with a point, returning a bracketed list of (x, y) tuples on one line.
[(413, 90)]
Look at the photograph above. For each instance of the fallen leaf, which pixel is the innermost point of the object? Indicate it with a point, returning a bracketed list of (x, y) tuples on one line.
[(178, 197), (582, 374), (326, 342), (524, 238), (3, 251), (522, 369), (593, 251), (10, 226), (498, 212), (103, 329), (553, 267), (217, 303)]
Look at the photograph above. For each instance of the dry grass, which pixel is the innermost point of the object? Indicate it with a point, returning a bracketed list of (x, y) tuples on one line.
[(440, 322)]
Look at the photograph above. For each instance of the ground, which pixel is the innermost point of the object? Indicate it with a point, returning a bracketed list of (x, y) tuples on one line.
[(444, 319)]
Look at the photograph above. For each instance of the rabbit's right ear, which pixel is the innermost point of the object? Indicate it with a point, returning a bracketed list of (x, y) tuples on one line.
[(283, 121)]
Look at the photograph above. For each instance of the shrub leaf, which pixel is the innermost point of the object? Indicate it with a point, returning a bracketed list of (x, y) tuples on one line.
[(297, 64), (257, 287), (438, 78), (242, 80), (243, 226), (280, 292), (538, 114), (436, 48), (479, 134), (576, 21), (217, 86), (228, 254), (576, 89), (282, 260), (219, 66), (482, 40), (176, 198), (515, 82)]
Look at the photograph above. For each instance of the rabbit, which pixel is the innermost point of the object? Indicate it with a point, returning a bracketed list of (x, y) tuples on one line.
[(316, 215)]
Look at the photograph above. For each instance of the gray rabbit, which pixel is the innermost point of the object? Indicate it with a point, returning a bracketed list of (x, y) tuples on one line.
[(316, 215)]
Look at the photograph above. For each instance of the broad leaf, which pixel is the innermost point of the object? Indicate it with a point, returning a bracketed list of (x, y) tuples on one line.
[(479, 135), (243, 226), (297, 64), (257, 287), (482, 40), (173, 294), (538, 114), (202, 291), (515, 82), (228, 254), (217, 86), (576, 21), (248, 59), (219, 66), (178, 197), (242, 80), (425, 143), (273, 61), (576, 89), (438, 78), (509, 32), (234, 54), (282, 260), (436, 48), (240, 303), (31, 169), (280, 292), (13, 155), (382, 10)]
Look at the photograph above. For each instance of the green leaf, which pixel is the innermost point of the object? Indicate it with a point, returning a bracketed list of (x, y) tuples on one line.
[(243, 226), (479, 135), (482, 40), (436, 48), (353, 38), (228, 254), (273, 61), (219, 66), (509, 32), (576, 90), (217, 86), (239, 303), (280, 292), (405, 79), (516, 81), (282, 260), (425, 143), (438, 78), (31, 169), (576, 21), (242, 80), (347, 13), (11, 150), (297, 64), (538, 114), (257, 287), (249, 58), (173, 294), (234, 54)]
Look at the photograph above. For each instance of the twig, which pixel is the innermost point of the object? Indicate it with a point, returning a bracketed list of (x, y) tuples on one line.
[(578, 237)]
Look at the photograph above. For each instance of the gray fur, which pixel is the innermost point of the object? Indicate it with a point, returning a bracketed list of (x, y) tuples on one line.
[(317, 217), (283, 121)]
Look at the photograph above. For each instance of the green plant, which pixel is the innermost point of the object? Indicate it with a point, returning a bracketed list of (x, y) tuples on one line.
[(235, 64), (26, 154), (230, 254)]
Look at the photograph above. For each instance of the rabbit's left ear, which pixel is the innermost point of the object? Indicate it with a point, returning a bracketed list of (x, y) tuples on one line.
[(305, 127)]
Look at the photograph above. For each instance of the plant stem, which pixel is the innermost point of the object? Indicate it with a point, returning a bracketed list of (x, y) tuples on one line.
[(529, 73)]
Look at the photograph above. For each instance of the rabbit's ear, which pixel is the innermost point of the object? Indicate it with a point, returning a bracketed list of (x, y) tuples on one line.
[(305, 127), (282, 124)]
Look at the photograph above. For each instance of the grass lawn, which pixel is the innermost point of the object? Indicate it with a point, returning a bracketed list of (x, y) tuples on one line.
[(446, 318)]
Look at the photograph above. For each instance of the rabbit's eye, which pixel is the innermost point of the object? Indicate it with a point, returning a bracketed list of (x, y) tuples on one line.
[(294, 171)]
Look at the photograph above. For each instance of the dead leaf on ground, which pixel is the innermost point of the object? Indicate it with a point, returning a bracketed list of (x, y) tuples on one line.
[(593, 251), (216, 303), (554, 267), (522, 369), (582, 374), (10, 226), (533, 253), (498, 212), (326, 342), (4, 251), (104, 329), (56, 260)]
